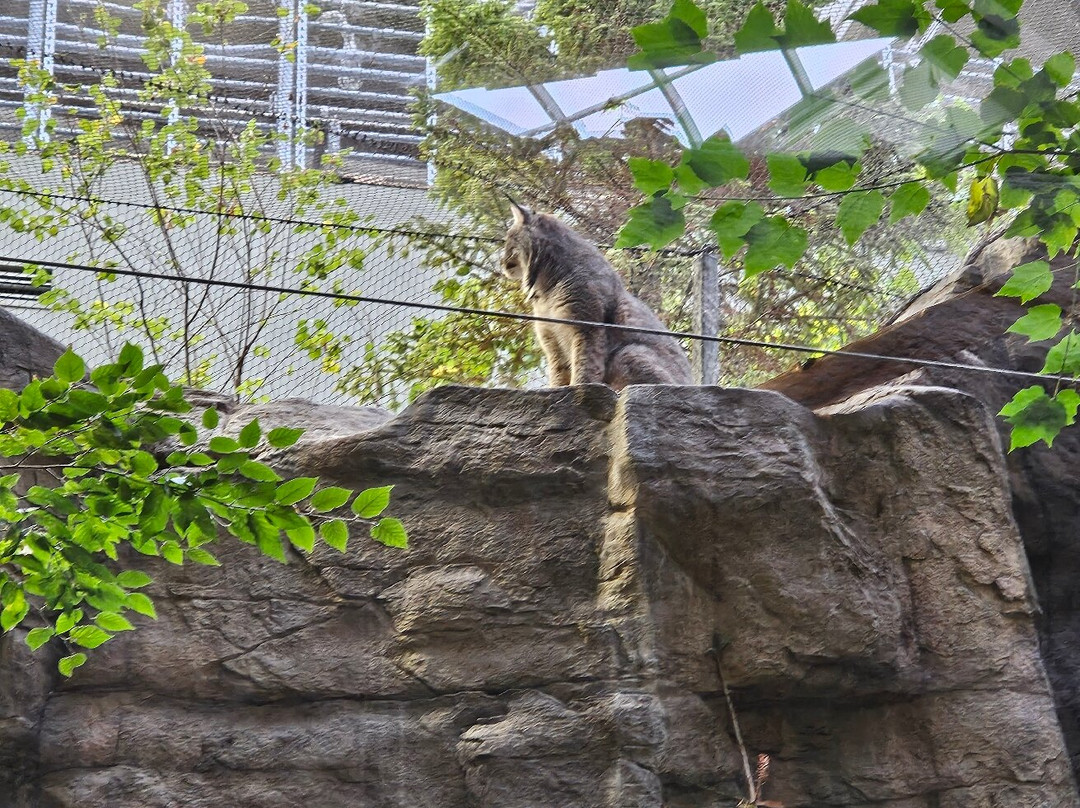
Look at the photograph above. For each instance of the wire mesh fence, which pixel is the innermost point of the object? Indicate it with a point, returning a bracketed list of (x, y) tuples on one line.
[(194, 227)]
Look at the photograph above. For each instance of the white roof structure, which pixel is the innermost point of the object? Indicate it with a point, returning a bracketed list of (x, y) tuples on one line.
[(736, 96)]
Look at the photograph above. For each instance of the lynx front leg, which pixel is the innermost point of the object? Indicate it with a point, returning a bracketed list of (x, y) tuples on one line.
[(558, 364), (588, 356)]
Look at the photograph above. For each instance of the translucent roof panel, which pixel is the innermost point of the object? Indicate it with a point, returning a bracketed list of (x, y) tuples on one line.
[(577, 94), (824, 64), (738, 96), (514, 109)]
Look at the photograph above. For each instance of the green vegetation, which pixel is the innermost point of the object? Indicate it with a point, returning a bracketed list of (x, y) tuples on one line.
[(98, 472), (1016, 156)]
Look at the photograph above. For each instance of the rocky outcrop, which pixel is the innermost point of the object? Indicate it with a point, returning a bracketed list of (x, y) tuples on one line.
[(583, 570), (24, 352), (961, 321)]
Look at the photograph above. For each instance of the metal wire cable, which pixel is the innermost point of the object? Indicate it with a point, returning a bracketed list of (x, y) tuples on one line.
[(509, 315)]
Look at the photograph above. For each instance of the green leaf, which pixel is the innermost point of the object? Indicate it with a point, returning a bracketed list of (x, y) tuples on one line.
[(945, 56), (250, 434), (1061, 67), (111, 621), (838, 177), (1041, 322), (9, 404), (68, 664), (1034, 416), (758, 32), (69, 367), (899, 18), (259, 472), (953, 10), (803, 28), (223, 445), (283, 436), (858, 212), (655, 223), (88, 636), (391, 532), (716, 161), (200, 556), (210, 417), (651, 176), (371, 502), (1059, 235), (130, 360), (995, 34), (732, 221), (910, 199), (1064, 358), (292, 491), (302, 537), (172, 553), (14, 612), (68, 619), (329, 498), (37, 637), (335, 533), (1028, 281), (143, 464), (773, 242), (674, 40), (982, 200), (138, 602), (133, 579), (787, 175)]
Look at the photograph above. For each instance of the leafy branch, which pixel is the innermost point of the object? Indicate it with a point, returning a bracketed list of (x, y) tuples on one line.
[(128, 469), (1016, 155)]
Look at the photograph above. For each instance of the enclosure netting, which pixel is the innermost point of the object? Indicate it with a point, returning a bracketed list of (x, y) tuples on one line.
[(233, 196)]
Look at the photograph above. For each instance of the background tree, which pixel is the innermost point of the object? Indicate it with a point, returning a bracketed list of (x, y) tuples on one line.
[(204, 193), (98, 473), (1014, 156), (836, 295)]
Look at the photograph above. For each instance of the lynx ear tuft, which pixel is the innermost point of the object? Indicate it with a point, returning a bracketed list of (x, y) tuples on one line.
[(521, 215)]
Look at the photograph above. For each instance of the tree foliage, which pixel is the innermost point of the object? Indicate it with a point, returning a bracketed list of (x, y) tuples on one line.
[(103, 468), (595, 182), (204, 193), (1015, 155)]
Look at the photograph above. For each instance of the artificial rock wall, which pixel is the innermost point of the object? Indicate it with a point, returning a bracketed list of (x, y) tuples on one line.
[(579, 564)]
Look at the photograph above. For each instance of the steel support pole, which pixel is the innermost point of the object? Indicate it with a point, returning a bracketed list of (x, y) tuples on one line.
[(706, 355), (40, 47)]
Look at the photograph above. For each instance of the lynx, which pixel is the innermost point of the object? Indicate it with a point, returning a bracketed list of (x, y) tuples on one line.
[(565, 277)]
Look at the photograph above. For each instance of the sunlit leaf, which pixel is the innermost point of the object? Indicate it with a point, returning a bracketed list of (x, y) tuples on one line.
[(1040, 322), (391, 532), (1028, 281), (371, 502), (982, 200), (1064, 358), (335, 533)]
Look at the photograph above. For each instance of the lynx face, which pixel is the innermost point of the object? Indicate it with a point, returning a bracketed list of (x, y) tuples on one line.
[(518, 249), (515, 260)]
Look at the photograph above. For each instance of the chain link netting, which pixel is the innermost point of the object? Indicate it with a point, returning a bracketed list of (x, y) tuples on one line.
[(410, 210)]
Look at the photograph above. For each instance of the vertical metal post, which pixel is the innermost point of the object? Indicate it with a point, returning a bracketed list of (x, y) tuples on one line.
[(300, 89), (706, 355), (177, 13), (40, 47), (290, 98), (431, 77)]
